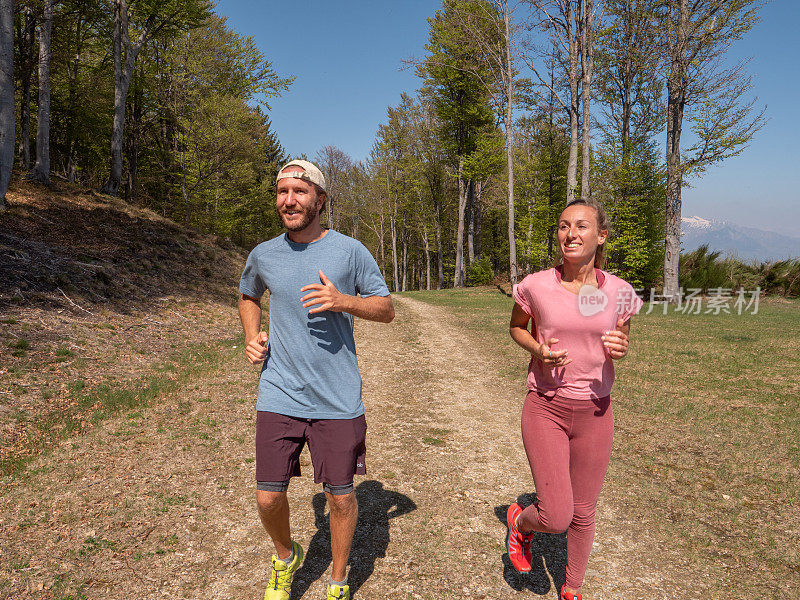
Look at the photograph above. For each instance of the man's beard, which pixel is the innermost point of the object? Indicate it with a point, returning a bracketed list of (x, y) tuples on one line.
[(308, 216)]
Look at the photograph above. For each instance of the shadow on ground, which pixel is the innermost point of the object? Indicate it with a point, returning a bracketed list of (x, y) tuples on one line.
[(376, 507), (549, 557)]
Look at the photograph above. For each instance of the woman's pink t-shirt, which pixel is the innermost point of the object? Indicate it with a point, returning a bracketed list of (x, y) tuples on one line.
[(578, 321)]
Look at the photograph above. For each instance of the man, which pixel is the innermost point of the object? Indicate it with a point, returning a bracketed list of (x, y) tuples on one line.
[(310, 386)]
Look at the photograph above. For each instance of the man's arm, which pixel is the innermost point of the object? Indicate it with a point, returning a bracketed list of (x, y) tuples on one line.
[(327, 297), (255, 339)]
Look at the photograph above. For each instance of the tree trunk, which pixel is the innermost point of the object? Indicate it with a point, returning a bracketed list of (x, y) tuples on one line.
[(395, 266), (512, 238), (458, 276), (7, 115), (551, 176), (404, 286), (572, 165), (437, 221), (41, 170), (477, 214), (72, 107), (25, 40), (328, 209), (427, 249), (111, 185), (587, 70), (627, 84), (676, 100), (123, 73), (382, 245), (133, 142), (470, 222)]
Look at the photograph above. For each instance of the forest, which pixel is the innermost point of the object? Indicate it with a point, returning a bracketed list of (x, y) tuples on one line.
[(521, 108)]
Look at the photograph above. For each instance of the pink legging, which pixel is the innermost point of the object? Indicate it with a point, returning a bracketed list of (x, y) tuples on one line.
[(568, 443)]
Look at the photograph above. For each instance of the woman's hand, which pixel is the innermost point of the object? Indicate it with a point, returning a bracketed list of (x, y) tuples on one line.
[(616, 341), (552, 358)]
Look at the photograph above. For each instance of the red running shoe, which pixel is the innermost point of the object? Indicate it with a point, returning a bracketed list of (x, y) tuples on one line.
[(564, 595), (518, 544)]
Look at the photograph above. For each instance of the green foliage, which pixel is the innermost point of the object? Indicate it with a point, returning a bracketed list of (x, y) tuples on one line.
[(781, 277), (632, 191), (480, 272), (198, 146), (454, 77), (701, 270), (541, 154)]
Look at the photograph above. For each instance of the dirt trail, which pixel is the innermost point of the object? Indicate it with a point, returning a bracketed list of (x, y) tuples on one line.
[(160, 504)]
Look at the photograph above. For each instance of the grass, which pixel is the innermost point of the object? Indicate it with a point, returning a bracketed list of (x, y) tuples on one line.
[(707, 444), (92, 405), (19, 348)]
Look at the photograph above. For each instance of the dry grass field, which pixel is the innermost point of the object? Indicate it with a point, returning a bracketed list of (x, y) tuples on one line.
[(126, 414)]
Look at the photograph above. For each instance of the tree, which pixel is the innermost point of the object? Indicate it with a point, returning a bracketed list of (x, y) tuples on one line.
[(460, 99), (631, 181), (487, 30), (152, 17), (572, 26), (696, 37), (586, 49), (41, 170), (25, 38), (6, 96), (335, 165), (213, 76), (562, 19)]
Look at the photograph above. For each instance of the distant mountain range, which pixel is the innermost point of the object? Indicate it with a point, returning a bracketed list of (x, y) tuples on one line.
[(746, 243)]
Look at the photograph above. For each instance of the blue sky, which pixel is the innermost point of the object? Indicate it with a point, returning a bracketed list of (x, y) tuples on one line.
[(347, 58)]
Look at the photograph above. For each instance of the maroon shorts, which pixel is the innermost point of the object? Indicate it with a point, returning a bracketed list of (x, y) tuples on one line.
[(337, 447)]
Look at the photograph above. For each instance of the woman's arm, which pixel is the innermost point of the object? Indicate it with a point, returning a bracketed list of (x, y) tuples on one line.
[(518, 328)]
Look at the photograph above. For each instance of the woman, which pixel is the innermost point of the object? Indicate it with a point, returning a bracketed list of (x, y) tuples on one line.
[(581, 323)]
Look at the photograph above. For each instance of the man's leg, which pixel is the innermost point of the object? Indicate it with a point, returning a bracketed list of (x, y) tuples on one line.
[(279, 441), (344, 514), (273, 508), (338, 452)]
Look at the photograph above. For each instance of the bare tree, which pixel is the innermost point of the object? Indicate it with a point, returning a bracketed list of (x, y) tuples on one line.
[(335, 165), (696, 37), (561, 18), (630, 84), (6, 96), (41, 170), (572, 25)]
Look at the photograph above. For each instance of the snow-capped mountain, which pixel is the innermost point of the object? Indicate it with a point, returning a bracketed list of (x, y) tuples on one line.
[(746, 243)]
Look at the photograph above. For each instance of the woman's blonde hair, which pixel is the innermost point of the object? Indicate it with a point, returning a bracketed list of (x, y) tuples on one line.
[(603, 224)]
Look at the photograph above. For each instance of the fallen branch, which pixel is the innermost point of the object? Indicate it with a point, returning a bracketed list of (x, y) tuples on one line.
[(73, 304)]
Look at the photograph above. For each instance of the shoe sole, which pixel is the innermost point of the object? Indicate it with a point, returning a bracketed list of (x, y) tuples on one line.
[(508, 549)]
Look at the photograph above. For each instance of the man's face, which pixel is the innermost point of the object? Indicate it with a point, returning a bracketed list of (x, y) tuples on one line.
[(298, 203)]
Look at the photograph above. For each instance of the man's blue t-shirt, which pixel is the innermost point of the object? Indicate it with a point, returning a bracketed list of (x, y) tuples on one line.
[(311, 370)]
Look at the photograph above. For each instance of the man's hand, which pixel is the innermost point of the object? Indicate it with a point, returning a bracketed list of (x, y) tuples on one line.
[(325, 294), (256, 349), (616, 341)]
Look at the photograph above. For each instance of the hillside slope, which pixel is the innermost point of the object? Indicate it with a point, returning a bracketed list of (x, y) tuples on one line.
[(101, 304)]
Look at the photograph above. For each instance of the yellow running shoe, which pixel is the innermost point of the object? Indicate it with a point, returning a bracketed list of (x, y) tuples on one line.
[(280, 580), (338, 592)]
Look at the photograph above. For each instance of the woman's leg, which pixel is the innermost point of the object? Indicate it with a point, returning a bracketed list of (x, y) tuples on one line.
[(591, 436), (545, 436)]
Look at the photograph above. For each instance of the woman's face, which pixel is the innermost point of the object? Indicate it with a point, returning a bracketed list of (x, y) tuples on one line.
[(578, 234)]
